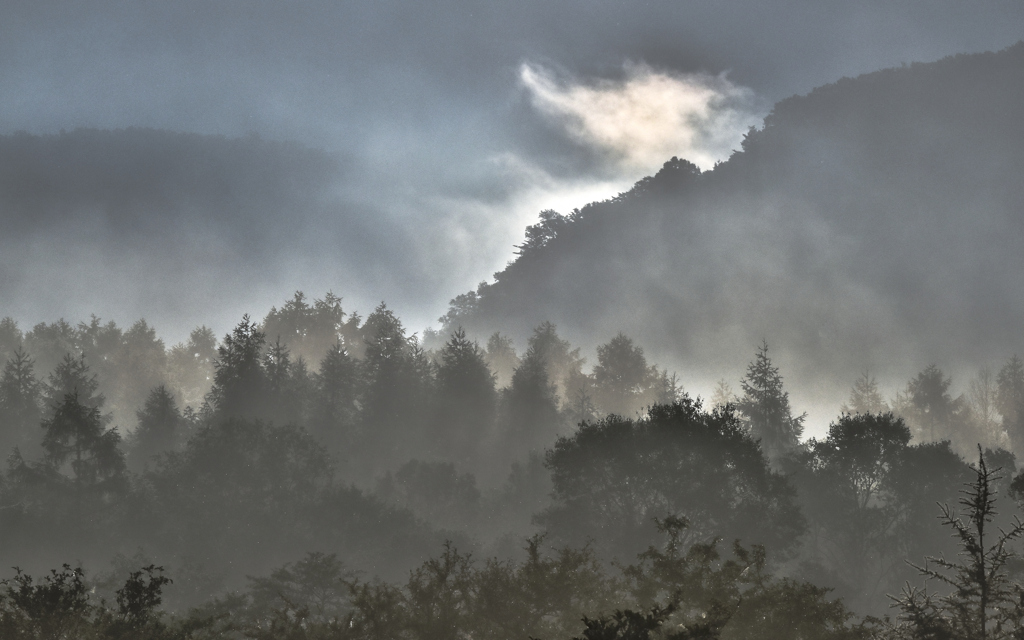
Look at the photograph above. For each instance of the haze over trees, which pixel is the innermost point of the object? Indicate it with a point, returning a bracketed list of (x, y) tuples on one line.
[(317, 474)]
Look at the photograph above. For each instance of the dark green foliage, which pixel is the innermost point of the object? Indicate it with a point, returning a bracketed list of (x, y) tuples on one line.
[(933, 409), (57, 607), (10, 337), (866, 492), (61, 606), (611, 478), (237, 486), (140, 596), (851, 499)]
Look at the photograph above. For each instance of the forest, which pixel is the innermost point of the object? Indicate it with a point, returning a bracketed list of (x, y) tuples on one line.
[(318, 474)]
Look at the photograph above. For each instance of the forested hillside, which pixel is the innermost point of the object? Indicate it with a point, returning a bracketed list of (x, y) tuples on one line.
[(318, 431), (869, 224), (535, 468)]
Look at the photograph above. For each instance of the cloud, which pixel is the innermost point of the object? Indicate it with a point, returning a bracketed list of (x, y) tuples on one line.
[(649, 116)]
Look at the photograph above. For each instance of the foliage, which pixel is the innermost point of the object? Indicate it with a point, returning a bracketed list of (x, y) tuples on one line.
[(765, 408), (982, 601), (612, 477)]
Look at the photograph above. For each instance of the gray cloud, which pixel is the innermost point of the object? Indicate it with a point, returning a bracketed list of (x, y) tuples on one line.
[(443, 157)]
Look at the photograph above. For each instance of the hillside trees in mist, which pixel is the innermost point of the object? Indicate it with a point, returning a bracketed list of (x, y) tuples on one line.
[(259, 474), (613, 477), (861, 502), (847, 229)]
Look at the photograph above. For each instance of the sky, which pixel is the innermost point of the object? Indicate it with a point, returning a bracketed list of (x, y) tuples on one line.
[(452, 125)]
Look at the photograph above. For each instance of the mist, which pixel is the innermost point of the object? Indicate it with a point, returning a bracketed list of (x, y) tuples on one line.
[(574, 320)]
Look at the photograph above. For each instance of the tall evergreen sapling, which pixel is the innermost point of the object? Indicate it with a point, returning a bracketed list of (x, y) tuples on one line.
[(983, 603)]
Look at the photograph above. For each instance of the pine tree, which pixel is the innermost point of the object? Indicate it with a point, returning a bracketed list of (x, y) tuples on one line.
[(75, 440), (335, 391), (465, 402), (239, 379), (531, 407), (766, 410), (562, 362), (501, 358), (983, 602), (20, 411), (161, 428), (396, 378), (865, 397), (73, 377), (933, 409), (623, 380)]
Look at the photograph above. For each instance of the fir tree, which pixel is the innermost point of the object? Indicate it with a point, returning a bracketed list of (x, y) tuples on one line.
[(19, 404), (865, 397), (465, 401), (765, 407)]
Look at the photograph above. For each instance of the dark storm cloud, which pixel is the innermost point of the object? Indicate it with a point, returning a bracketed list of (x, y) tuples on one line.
[(445, 154)]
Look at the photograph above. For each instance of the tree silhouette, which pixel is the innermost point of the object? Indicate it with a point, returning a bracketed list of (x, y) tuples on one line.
[(465, 400), (75, 439), (239, 381), (765, 408), (983, 602), (19, 404), (161, 428)]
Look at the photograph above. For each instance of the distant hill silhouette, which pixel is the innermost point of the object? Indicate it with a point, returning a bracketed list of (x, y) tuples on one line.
[(876, 223)]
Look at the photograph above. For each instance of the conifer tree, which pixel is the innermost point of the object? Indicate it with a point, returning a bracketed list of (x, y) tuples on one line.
[(501, 358), (240, 381), (73, 377), (865, 397), (161, 427), (465, 401), (396, 378), (531, 406), (75, 439), (623, 380), (335, 391), (982, 602), (765, 407), (19, 404)]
